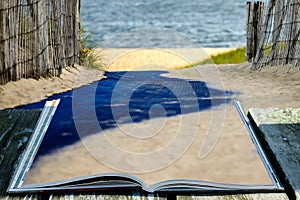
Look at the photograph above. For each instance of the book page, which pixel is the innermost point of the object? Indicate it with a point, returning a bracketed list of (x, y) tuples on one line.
[(160, 134)]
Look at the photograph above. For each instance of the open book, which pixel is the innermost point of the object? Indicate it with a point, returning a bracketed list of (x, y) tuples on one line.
[(124, 181), (72, 167)]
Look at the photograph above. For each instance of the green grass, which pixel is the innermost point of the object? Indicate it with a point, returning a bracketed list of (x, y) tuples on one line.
[(232, 57), (88, 58)]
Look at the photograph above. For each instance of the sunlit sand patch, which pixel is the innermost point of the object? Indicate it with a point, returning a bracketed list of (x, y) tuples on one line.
[(119, 59)]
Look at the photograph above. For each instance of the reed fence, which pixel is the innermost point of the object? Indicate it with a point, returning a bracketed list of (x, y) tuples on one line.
[(273, 33), (38, 37)]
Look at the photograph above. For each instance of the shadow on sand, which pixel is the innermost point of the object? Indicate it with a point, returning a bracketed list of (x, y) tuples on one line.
[(134, 92)]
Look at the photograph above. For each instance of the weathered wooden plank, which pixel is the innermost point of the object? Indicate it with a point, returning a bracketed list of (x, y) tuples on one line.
[(261, 196), (76, 31), (13, 40), (260, 48), (279, 131), (277, 30), (40, 38), (293, 32), (255, 13), (6, 63), (57, 48), (137, 196), (68, 33), (250, 39), (16, 126), (255, 26), (2, 55), (133, 195), (92, 195)]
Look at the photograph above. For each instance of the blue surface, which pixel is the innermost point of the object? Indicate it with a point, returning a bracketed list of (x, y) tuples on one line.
[(146, 88)]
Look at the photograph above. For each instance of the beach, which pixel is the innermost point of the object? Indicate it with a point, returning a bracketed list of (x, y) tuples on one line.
[(271, 87), (119, 59), (26, 91)]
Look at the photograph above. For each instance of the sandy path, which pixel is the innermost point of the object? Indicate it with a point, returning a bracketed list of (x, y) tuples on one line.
[(273, 87), (27, 91)]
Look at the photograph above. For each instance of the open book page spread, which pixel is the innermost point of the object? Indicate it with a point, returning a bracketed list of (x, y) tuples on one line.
[(165, 128)]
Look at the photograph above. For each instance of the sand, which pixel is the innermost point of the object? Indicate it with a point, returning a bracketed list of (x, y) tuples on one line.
[(27, 91), (119, 59), (232, 159)]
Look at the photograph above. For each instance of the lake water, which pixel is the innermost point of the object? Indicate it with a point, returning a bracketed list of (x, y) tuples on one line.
[(214, 23)]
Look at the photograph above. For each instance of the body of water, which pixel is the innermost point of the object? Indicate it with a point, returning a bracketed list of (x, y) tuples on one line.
[(215, 23)]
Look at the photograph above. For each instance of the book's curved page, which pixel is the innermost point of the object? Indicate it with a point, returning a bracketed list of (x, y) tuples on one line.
[(164, 134)]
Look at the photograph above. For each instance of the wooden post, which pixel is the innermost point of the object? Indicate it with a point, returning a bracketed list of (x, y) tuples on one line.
[(42, 38), (250, 41), (36, 57), (278, 19), (13, 40), (76, 20), (260, 49), (296, 46), (255, 12), (57, 35), (68, 33), (30, 62), (255, 26), (2, 76), (294, 33), (286, 35), (260, 20), (6, 41)]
